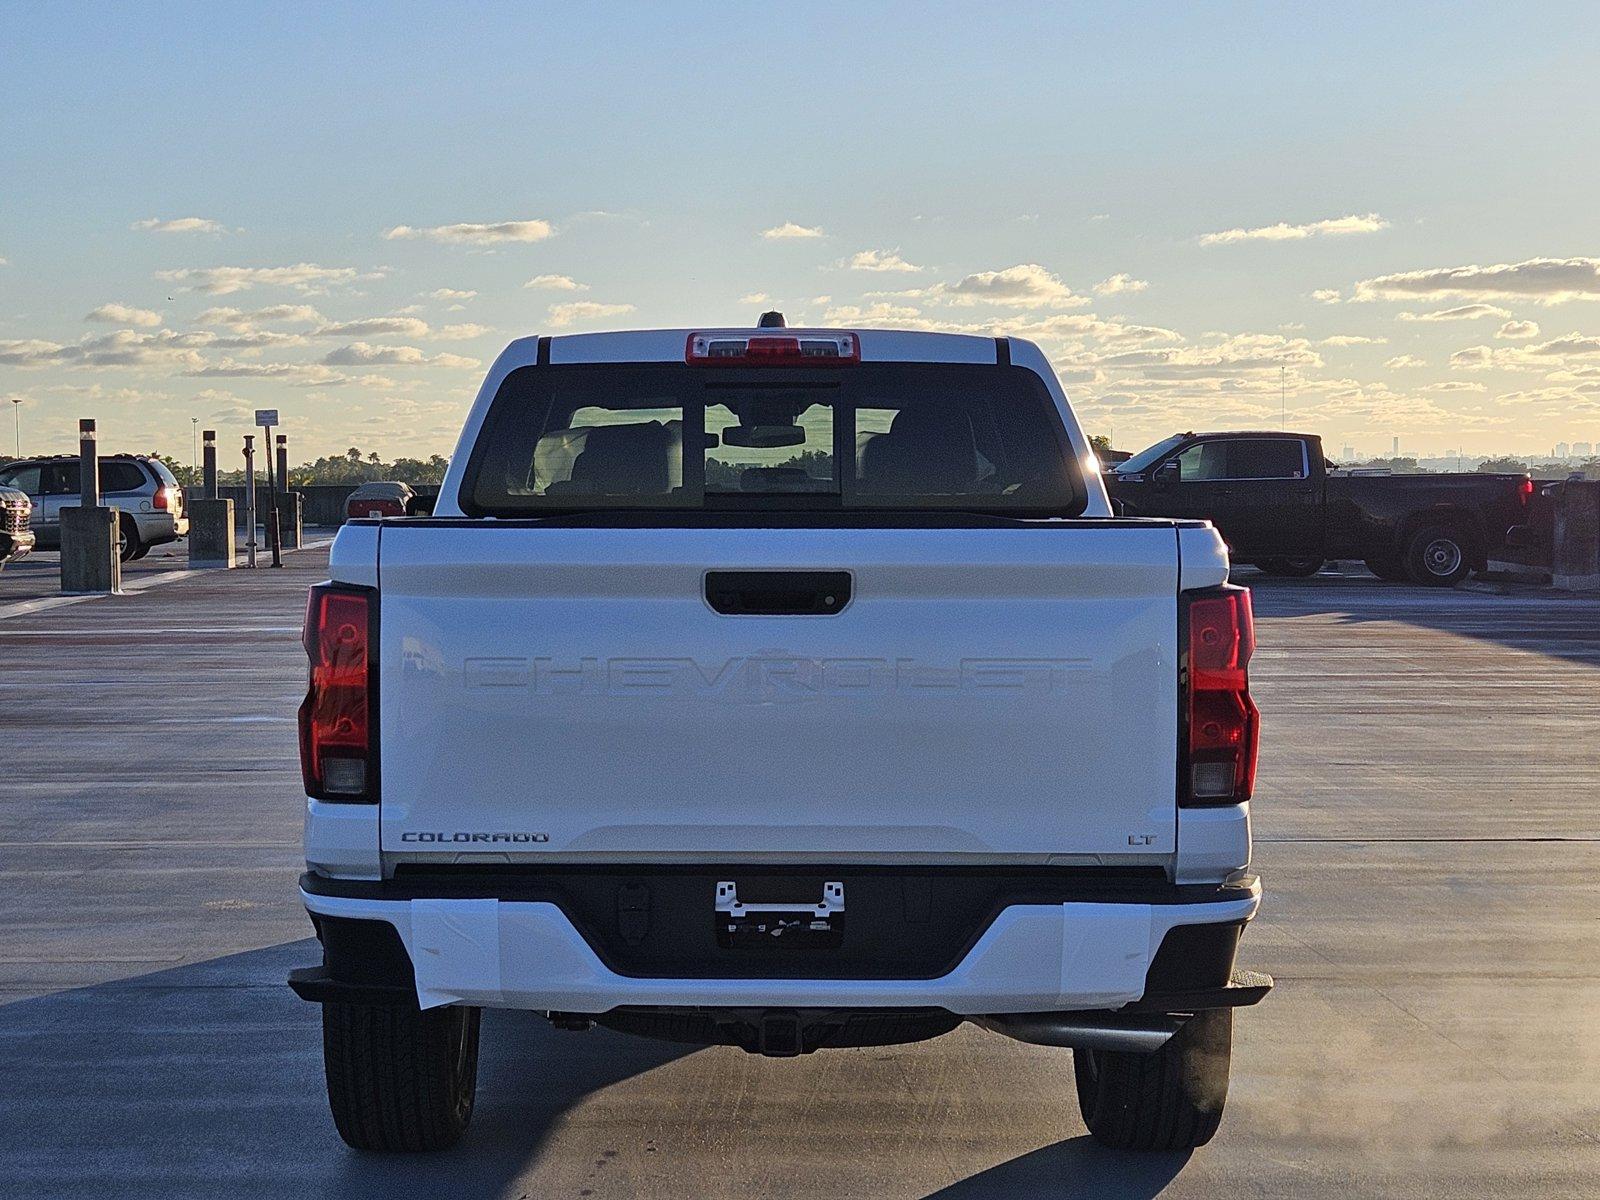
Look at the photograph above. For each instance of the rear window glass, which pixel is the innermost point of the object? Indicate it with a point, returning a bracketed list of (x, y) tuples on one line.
[(874, 436), (1242, 458), (121, 477), (24, 478), (1266, 458), (61, 478)]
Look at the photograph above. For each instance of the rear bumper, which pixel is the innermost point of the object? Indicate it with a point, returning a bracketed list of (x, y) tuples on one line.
[(158, 528), (484, 951)]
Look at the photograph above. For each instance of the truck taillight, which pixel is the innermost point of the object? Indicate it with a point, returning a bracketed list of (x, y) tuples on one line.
[(338, 727), (1525, 491), (1218, 760)]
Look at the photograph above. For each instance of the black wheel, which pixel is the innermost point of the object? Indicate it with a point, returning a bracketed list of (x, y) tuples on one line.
[(144, 548), (1291, 568), (400, 1079), (1390, 569), (128, 544), (1169, 1100), (1438, 556)]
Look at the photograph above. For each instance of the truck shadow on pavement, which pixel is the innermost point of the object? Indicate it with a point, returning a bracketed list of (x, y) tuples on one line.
[(1076, 1169), (1540, 620), (206, 1079)]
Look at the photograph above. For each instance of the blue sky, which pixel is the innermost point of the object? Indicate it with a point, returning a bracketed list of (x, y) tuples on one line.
[(1389, 208)]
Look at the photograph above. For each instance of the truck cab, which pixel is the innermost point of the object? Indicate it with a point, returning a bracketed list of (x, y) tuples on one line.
[(1262, 491)]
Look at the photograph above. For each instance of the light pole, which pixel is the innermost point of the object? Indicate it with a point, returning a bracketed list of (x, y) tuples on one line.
[(194, 442), (16, 409)]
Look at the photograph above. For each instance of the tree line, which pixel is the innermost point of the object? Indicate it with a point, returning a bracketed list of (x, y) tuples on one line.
[(351, 467)]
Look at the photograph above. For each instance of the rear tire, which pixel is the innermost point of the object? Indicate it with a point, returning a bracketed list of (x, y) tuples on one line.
[(1388, 569), (1169, 1100), (128, 543), (1438, 556), (399, 1078), (1290, 568)]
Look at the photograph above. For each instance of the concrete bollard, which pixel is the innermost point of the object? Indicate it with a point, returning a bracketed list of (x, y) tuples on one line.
[(1576, 545), (291, 519), (90, 564), (212, 539)]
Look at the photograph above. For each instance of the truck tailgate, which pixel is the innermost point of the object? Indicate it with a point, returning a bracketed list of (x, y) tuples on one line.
[(569, 694)]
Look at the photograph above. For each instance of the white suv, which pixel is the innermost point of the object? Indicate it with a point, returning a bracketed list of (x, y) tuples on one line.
[(142, 488)]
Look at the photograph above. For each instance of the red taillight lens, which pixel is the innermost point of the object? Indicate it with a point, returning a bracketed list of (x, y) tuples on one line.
[(1525, 490), (337, 736), (159, 500), (1224, 727)]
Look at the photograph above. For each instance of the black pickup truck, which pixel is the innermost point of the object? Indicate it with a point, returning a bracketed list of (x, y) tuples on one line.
[(1283, 507)]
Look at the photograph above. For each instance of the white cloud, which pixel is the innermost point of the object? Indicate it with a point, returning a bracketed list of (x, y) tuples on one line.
[(1461, 312), (1326, 295), (472, 233), (1516, 331), (1542, 356), (1352, 339), (585, 310), (1284, 232), (120, 348), (243, 322), (1472, 358), (790, 230), (463, 332), (1571, 344), (451, 294), (180, 225), (880, 260), (1027, 285), (755, 298), (122, 314), (364, 354), (874, 314), (556, 283), (223, 281), (1241, 355), (1541, 280), (1120, 282), (374, 327), (1401, 361), (298, 374)]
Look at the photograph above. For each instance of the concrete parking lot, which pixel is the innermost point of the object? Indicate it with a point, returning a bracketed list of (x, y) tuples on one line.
[(1427, 828)]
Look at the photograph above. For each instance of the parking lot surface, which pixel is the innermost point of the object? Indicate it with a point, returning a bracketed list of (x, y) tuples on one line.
[(1427, 831)]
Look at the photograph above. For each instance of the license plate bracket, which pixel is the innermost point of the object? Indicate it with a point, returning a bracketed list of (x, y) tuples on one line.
[(787, 924)]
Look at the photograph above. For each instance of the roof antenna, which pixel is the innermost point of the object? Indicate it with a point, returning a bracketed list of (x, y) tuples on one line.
[(771, 319)]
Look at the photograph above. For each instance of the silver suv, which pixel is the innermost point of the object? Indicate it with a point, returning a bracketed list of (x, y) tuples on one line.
[(142, 487)]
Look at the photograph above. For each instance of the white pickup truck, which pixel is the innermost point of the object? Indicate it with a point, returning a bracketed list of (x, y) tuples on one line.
[(785, 689)]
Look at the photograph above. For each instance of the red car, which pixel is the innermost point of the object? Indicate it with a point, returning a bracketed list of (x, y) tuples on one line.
[(387, 499)]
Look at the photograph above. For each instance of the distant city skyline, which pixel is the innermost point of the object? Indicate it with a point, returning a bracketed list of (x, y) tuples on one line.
[(1370, 224)]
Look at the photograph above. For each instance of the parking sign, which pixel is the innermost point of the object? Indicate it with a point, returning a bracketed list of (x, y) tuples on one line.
[(266, 417)]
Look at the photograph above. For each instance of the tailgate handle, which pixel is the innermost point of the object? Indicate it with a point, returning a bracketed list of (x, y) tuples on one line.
[(777, 593)]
